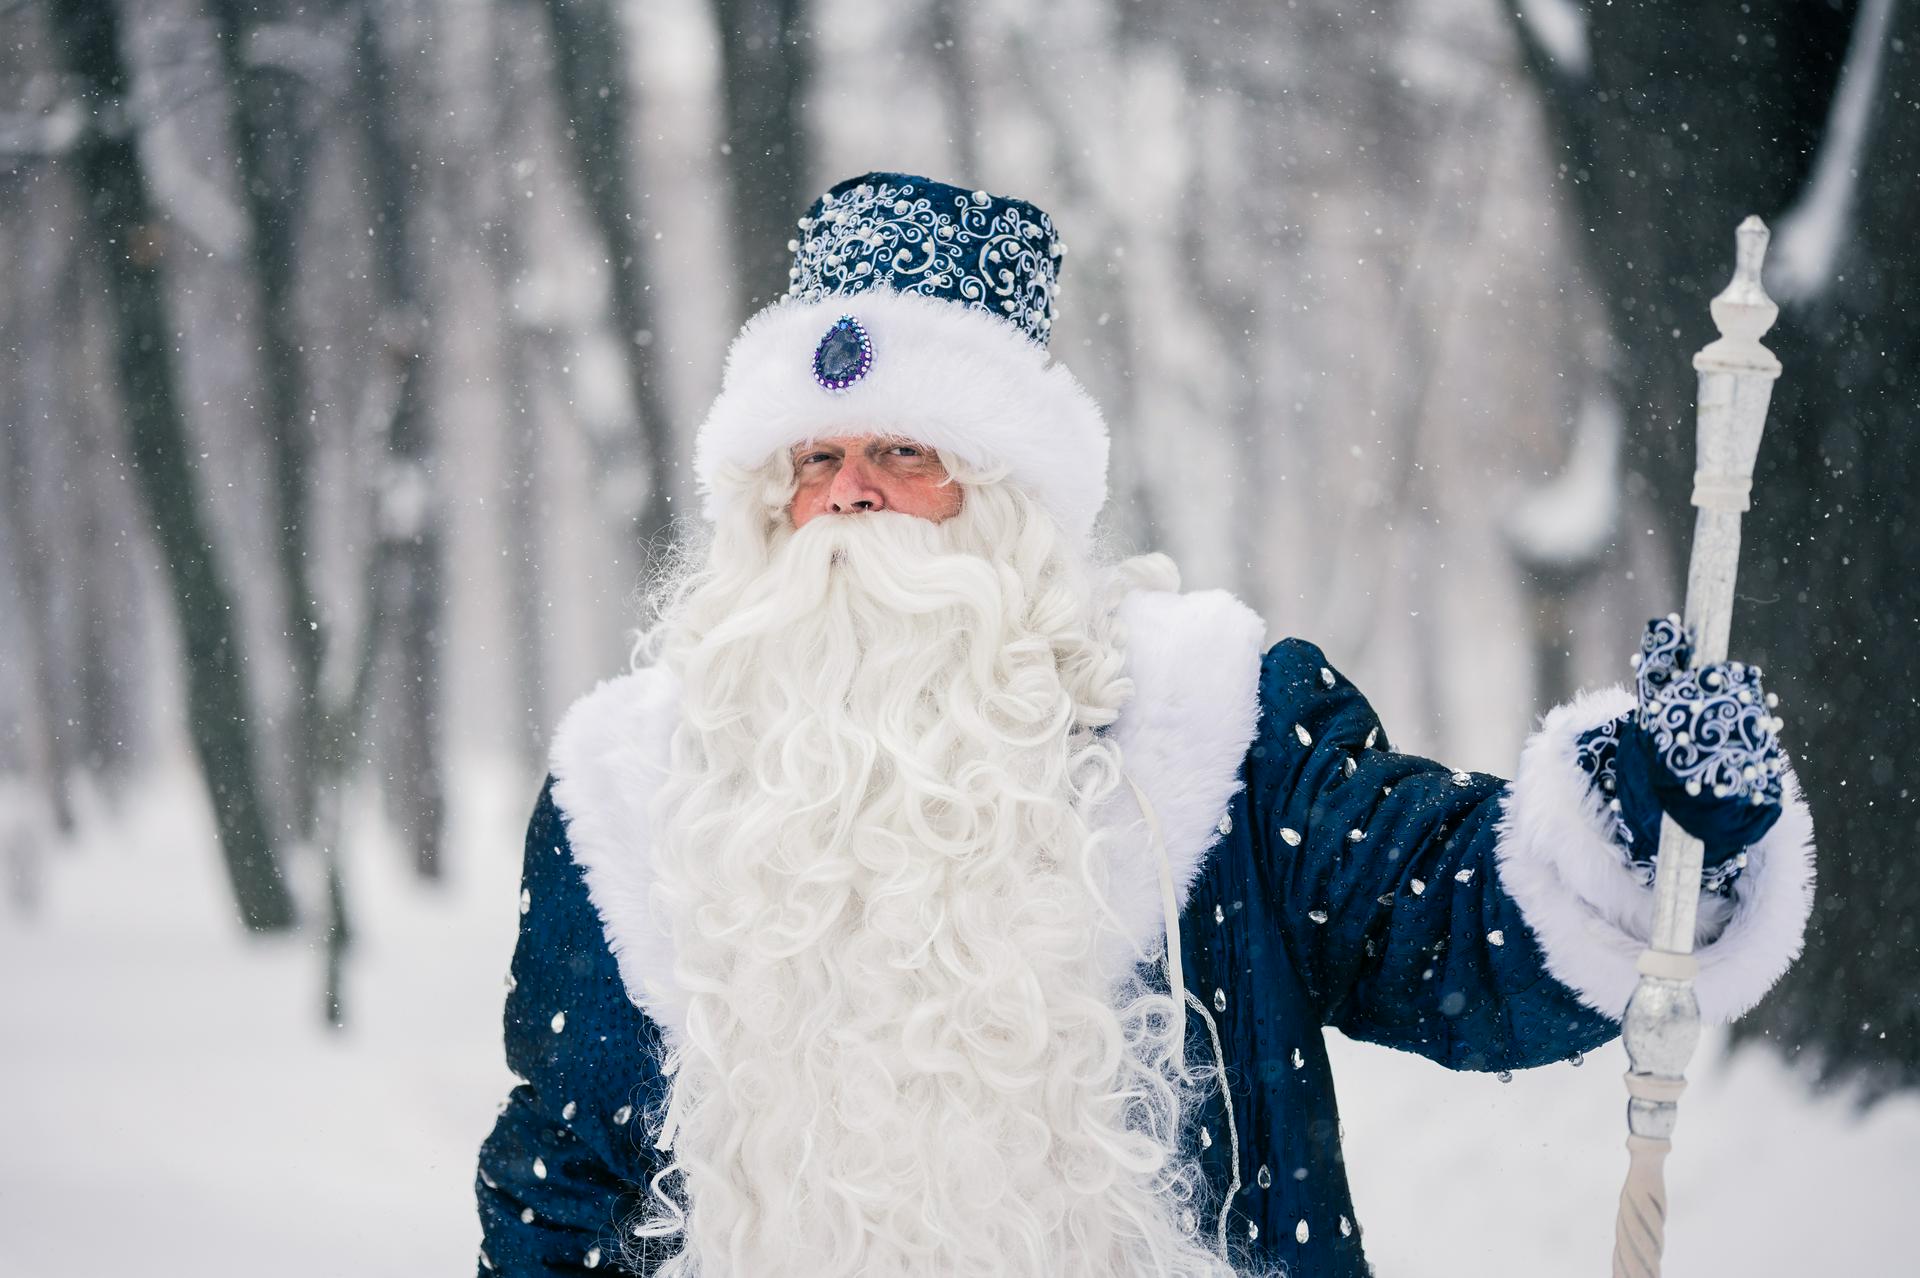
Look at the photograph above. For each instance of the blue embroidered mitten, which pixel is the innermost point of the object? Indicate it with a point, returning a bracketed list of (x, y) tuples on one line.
[(1701, 744)]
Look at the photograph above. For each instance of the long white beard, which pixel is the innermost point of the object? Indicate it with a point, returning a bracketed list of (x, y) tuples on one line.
[(901, 1057)]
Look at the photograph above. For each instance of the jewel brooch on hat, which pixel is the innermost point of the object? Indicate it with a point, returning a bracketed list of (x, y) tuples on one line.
[(843, 356)]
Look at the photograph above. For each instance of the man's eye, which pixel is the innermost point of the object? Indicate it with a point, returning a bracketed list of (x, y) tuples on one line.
[(807, 459)]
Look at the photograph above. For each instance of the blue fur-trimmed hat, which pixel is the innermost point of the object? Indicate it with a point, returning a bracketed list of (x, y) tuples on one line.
[(920, 309), (892, 230)]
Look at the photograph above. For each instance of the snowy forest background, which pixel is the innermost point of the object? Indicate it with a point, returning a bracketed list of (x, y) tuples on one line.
[(350, 352)]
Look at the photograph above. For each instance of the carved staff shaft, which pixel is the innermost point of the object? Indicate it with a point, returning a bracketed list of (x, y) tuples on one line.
[(1662, 1023)]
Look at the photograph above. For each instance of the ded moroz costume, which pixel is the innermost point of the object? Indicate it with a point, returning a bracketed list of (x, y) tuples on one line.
[(1314, 876)]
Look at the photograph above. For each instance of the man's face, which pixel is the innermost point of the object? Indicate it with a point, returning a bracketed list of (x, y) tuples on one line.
[(853, 474)]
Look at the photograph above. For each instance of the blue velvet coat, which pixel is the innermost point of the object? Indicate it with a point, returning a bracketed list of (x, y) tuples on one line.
[(1352, 887)]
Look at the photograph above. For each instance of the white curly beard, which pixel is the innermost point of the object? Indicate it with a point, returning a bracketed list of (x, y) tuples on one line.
[(900, 1056)]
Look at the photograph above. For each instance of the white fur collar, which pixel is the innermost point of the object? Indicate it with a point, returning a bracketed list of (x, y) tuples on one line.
[(1195, 663)]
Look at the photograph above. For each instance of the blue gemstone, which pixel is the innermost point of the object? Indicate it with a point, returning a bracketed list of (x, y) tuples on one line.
[(843, 356)]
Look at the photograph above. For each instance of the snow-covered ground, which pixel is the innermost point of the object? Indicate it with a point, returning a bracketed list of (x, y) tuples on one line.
[(173, 1105)]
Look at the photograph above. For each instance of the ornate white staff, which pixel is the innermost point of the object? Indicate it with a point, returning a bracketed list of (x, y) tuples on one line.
[(1662, 1023)]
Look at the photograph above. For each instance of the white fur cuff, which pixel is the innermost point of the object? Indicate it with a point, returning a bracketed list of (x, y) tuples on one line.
[(1589, 910), (944, 373), (1195, 664)]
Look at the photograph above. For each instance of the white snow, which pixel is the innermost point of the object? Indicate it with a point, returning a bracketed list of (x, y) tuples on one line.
[(176, 1108), (175, 1105), (1463, 1176), (1561, 28), (1807, 242)]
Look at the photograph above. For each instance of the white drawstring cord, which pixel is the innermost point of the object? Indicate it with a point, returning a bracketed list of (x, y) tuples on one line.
[(1184, 998), (1176, 975)]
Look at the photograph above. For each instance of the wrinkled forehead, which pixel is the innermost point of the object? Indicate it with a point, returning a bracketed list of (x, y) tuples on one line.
[(860, 441)]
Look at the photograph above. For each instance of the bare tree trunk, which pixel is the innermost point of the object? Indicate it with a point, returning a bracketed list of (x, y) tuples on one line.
[(410, 526), (590, 65), (218, 706), (524, 541), (30, 451), (953, 70), (105, 606), (31, 753), (1099, 288), (271, 153), (766, 64), (505, 76), (83, 603)]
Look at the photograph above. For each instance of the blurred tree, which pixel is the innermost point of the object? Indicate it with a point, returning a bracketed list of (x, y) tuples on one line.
[(766, 61), (407, 568), (35, 466), (121, 217), (1083, 150), (498, 62), (290, 66), (590, 71), (80, 634), (1673, 122), (33, 745), (959, 91), (282, 71)]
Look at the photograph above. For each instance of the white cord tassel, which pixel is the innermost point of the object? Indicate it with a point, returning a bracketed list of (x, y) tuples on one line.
[(1662, 1022), (1170, 907), (1185, 998)]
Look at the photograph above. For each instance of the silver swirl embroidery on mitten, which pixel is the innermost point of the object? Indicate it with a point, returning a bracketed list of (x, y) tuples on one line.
[(1711, 727), (1597, 753)]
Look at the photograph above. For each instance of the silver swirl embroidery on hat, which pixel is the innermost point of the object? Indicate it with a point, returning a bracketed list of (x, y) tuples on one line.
[(1711, 726), (991, 255)]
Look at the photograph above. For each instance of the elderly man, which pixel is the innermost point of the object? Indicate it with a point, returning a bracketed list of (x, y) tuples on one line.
[(935, 899)]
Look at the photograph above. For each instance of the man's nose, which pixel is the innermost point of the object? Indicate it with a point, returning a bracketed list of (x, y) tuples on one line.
[(853, 489)]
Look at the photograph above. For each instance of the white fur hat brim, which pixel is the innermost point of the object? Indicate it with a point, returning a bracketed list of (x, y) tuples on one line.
[(944, 373)]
